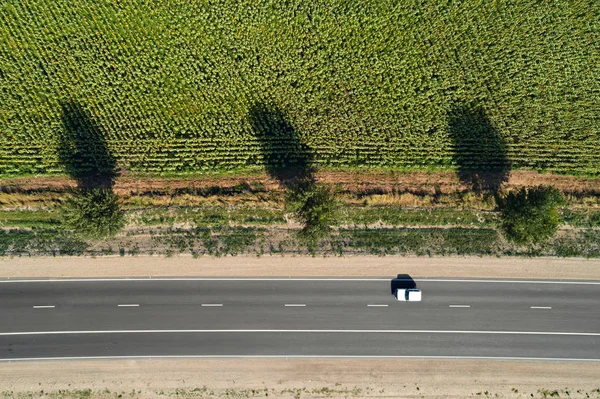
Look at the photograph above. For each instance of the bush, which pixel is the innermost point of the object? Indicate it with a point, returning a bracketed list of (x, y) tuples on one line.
[(93, 213), (314, 206), (529, 215)]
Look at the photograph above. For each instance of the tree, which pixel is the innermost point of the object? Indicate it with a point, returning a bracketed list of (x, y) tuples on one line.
[(529, 215), (93, 213), (314, 206)]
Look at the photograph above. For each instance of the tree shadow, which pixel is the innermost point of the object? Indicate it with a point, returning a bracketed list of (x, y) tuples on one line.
[(286, 158), (92, 211), (480, 152), (83, 150)]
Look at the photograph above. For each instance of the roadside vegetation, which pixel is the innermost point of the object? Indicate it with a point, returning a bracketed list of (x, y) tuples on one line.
[(337, 391), (176, 90), (92, 214), (530, 215), (221, 229)]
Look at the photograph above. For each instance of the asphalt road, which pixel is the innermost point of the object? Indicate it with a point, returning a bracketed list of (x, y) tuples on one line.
[(298, 317)]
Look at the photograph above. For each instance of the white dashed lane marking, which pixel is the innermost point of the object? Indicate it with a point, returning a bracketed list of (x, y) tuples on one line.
[(44, 307), (459, 306), (128, 305), (375, 305), (295, 304), (212, 304), (541, 307)]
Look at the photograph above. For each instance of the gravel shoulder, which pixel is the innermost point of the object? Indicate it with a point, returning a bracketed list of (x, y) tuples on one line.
[(298, 266), (294, 378)]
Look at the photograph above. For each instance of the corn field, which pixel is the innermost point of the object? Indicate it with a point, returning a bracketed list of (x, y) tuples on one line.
[(365, 83)]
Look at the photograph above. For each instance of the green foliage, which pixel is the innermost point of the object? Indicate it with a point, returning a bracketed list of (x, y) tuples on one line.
[(432, 241), (401, 216), (222, 241), (211, 217), (238, 239), (530, 215), (583, 243), (217, 241), (170, 84), (221, 216), (93, 213), (208, 216), (27, 218), (313, 205), (580, 218), (39, 242)]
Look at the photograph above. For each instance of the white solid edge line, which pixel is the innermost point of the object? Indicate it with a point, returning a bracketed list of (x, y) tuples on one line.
[(439, 280), (150, 357), (212, 304), (295, 304), (124, 279), (541, 307), (128, 305), (459, 306), (588, 334), (44, 307), (375, 305)]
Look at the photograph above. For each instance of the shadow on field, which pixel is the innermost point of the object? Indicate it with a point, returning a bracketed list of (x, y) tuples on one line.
[(402, 281), (83, 150), (93, 210), (286, 158), (289, 161), (479, 149)]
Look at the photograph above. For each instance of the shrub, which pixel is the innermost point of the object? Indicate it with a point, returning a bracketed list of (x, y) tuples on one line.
[(314, 206), (529, 215), (93, 213)]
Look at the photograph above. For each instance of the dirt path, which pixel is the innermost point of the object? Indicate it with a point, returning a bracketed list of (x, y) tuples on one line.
[(144, 266), (352, 181), (254, 378)]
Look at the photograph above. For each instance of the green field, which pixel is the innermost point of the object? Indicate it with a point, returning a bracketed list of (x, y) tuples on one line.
[(171, 85)]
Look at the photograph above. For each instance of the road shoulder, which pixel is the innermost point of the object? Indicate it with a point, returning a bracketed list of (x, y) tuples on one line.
[(301, 266), (294, 378)]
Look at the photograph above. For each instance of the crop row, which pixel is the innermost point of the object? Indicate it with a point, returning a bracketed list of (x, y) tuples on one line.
[(190, 159), (184, 85)]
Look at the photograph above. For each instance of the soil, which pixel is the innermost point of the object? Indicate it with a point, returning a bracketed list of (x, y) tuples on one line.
[(301, 266), (299, 378), (351, 181)]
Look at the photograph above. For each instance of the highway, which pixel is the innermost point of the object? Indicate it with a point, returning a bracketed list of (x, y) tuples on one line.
[(298, 317)]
